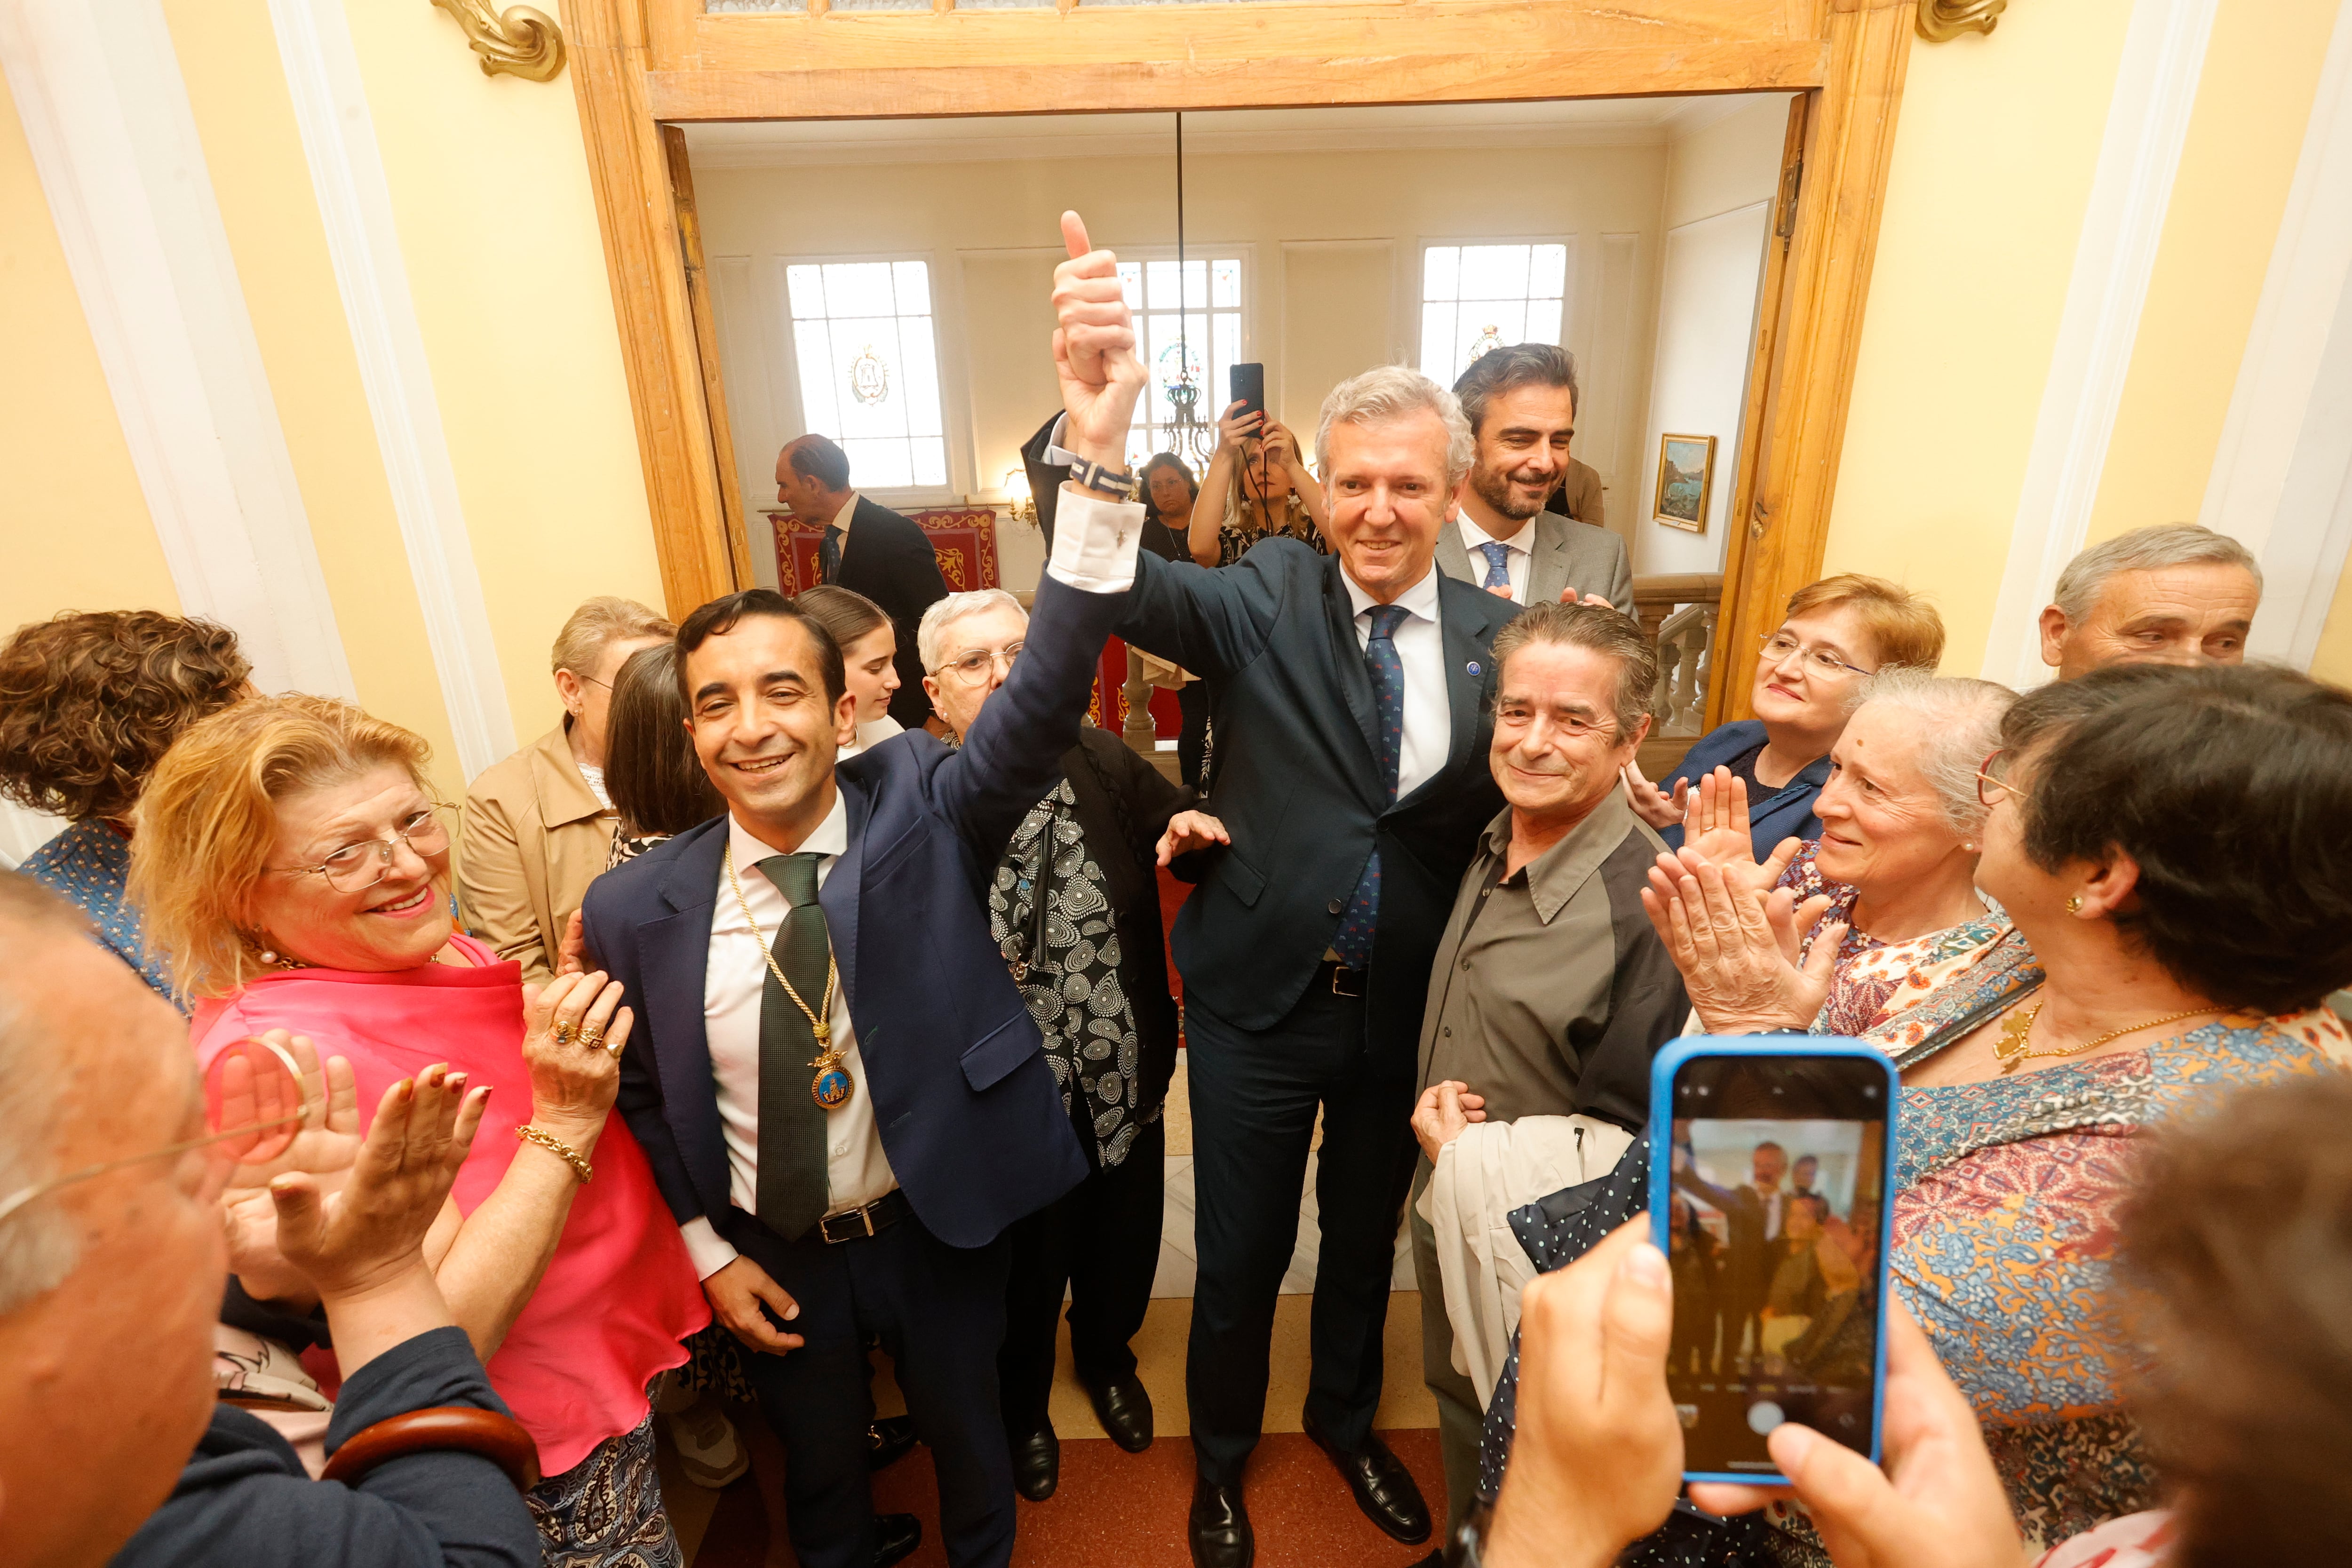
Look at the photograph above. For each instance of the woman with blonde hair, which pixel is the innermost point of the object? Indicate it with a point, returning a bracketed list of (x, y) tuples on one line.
[(1257, 486), (1836, 633), (293, 866)]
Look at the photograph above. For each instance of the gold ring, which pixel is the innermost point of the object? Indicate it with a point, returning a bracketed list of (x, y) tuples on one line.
[(614, 1047), (590, 1037), (563, 1032)]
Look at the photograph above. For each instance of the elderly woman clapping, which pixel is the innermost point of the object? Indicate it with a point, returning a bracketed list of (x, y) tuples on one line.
[(293, 866), (2169, 844)]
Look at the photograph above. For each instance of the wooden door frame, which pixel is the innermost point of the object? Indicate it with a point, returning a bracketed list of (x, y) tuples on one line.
[(639, 64)]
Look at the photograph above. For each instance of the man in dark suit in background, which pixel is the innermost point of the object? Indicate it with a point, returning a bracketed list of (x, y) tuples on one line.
[(869, 549), (1352, 692), (1753, 1213), (842, 1094)]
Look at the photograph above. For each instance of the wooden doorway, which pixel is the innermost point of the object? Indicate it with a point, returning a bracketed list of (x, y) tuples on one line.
[(642, 67)]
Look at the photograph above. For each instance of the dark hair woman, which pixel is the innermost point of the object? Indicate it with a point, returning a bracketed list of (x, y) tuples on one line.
[(1169, 491), (89, 703), (658, 786), (868, 642)]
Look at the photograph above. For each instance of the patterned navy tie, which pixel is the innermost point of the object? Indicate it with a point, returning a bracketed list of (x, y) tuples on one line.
[(828, 554), (1354, 942), (1499, 564)]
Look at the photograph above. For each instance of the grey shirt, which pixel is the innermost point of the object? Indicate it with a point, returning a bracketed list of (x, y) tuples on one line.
[(1550, 992)]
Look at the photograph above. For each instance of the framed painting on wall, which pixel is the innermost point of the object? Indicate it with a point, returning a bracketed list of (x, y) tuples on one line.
[(1686, 481)]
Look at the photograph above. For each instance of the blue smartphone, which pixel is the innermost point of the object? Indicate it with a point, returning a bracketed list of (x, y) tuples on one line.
[(1771, 1159)]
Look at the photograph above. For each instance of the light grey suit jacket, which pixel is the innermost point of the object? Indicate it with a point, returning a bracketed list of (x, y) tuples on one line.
[(1562, 551)]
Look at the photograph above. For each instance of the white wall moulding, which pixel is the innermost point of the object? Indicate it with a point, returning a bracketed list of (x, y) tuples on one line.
[(314, 45), (2281, 479), (2139, 154), (113, 139)]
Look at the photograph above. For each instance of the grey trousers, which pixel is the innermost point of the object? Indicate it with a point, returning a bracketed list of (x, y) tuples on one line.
[(1460, 1422)]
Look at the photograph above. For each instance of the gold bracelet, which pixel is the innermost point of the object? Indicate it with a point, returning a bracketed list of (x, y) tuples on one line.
[(558, 1147)]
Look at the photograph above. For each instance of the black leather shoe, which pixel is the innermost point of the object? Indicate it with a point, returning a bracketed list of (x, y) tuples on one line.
[(887, 1441), (1124, 1408), (895, 1536), (1036, 1465), (1220, 1527), (1385, 1489)]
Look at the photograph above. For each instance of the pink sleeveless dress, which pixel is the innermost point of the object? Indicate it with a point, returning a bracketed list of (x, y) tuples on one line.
[(620, 1295)]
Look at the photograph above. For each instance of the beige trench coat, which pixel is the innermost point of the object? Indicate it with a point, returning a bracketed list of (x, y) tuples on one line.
[(535, 837)]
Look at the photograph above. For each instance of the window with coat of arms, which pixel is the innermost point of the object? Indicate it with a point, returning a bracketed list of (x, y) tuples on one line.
[(1475, 297), (866, 352)]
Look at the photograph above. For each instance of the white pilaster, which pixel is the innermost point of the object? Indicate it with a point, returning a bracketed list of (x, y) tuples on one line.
[(2148, 122), (314, 43), (113, 139)]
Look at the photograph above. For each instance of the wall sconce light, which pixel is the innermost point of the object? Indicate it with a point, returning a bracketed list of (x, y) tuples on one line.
[(1019, 502)]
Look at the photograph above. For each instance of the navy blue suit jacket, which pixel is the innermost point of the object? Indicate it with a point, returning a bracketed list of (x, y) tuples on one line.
[(1788, 815), (1298, 786), (966, 1105)]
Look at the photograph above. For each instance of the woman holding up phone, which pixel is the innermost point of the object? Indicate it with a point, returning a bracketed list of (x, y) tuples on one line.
[(1256, 488)]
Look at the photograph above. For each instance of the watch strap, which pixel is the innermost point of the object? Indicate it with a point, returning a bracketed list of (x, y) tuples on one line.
[(1089, 476)]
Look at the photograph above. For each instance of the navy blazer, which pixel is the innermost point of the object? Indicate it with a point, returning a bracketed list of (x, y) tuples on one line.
[(888, 557), (1298, 782), (966, 1105), (1788, 815)]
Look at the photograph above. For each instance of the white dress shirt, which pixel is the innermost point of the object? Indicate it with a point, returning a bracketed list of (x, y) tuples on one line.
[(733, 984), (1094, 550), (1420, 648), (1519, 562)]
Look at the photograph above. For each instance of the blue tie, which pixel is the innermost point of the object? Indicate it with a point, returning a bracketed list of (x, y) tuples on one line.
[(1499, 564), (828, 554), (1354, 942)]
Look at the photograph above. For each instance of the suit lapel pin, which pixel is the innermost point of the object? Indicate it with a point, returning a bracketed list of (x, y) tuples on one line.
[(1472, 666)]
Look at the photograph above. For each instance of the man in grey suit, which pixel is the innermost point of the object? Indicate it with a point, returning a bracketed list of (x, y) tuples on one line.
[(1521, 404)]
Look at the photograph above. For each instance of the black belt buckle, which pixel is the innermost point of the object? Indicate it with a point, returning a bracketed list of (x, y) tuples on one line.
[(856, 1225), (1346, 982)]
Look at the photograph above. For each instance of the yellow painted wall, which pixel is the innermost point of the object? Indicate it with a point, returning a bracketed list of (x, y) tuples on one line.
[(1992, 166), (2262, 69), (74, 533), (498, 227)]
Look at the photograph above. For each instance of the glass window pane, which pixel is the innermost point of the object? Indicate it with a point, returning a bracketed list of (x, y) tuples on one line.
[(879, 465), (922, 389), (1547, 272), (806, 286), (812, 349), (1225, 334), (1225, 283), (1130, 284), (1494, 272), (857, 288), (869, 375), (1163, 288), (1543, 322), (1437, 357), (913, 280), (930, 460), (1441, 272), (1196, 284)]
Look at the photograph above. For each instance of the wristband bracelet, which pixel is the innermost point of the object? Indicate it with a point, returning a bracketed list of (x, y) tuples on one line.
[(559, 1148), (1089, 476), (497, 1438)]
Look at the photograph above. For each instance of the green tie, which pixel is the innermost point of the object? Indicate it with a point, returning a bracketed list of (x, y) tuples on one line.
[(794, 1189)]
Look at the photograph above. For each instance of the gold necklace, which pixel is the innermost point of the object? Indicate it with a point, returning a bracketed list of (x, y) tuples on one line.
[(2011, 1050), (831, 1086)]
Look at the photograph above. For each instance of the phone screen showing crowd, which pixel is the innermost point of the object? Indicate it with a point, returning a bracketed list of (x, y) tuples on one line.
[(1774, 1235)]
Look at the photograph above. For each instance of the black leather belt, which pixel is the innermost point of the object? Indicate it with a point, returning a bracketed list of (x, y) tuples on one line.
[(1344, 981), (856, 1225)]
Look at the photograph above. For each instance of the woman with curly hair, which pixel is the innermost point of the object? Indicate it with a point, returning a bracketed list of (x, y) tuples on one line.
[(89, 702)]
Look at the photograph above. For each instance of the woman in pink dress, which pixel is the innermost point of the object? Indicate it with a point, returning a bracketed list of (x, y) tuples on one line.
[(293, 865)]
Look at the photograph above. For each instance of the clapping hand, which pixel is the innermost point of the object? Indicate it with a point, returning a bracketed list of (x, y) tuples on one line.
[(574, 1030), (1737, 949), (1651, 803), (1568, 595), (1094, 348), (1715, 824), (1445, 1112), (1189, 831), (324, 1149)]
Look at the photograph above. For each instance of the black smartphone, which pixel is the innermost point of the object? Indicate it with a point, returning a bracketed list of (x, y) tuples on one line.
[(1247, 383), (1771, 1159)]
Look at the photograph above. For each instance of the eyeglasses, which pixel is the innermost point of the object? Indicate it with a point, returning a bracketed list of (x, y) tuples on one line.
[(254, 1087), (972, 668), (1778, 646), (1991, 786), (355, 868)]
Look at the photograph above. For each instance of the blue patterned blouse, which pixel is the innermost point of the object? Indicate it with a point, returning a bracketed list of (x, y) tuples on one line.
[(89, 863)]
